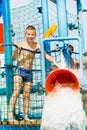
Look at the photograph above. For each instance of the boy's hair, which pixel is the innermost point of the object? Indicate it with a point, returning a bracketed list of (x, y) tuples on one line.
[(30, 27), (71, 47), (85, 54)]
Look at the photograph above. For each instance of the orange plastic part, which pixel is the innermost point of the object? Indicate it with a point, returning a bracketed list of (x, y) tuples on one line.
[(62, 77), (1, 38), (50, 31)]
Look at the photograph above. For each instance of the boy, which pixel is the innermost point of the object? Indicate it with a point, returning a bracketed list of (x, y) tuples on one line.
[(23, 71), (71, 49)]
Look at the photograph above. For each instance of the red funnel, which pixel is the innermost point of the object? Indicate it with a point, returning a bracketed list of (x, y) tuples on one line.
[(64, 78)]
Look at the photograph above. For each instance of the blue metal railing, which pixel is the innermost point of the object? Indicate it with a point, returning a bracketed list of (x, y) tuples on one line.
[(61, 39)]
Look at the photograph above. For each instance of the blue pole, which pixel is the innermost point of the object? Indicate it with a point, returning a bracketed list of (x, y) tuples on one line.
[(79, 6), (45, 23), (43, 64), (80, 23), (63, 28), (62, 18), (0, 8), (45, 16), (7, 49)]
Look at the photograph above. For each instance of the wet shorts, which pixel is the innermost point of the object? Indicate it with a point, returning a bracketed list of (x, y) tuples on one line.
[(24, 73)]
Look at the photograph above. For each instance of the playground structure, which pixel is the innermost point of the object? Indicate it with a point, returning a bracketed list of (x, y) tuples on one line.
[(42, 14)]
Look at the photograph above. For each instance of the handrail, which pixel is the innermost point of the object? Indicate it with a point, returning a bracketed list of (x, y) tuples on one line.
[(12, 44)]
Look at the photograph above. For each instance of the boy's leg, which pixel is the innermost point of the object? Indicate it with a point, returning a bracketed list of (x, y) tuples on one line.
[(26, 100), (13, 100)]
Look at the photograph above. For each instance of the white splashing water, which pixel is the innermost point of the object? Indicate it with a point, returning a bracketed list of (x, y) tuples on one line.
[(63, 62), (63, 111)]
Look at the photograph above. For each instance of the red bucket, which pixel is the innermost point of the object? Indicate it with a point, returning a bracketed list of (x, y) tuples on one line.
[(64, 78)]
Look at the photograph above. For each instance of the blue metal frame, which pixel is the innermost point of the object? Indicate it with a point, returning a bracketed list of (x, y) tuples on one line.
[(63, 27), (80, 23), (45, 23), (7, 49), (61, 39), (62, 18), (0, 8)]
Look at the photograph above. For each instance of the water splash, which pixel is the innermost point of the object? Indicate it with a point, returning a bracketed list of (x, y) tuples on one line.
[(63, 62), (63, 110)]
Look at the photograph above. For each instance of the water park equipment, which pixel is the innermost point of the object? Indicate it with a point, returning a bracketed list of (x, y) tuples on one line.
[(63, 78), (50, 31), (63, 102), (42, 21)]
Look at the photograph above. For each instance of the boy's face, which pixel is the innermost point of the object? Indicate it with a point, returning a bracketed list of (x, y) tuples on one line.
[(30, 35)]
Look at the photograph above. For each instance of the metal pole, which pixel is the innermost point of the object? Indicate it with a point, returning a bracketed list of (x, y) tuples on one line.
[(80, 23), (7, 49), (63, 28), (45, 23)]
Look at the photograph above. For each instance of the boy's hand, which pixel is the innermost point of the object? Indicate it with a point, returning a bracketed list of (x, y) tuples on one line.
[(55, 66), (19, 50)]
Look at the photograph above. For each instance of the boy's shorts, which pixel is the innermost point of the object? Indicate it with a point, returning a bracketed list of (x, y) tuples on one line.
[(24, 73)]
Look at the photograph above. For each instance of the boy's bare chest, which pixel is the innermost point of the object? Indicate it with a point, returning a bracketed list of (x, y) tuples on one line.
[(31, 47)]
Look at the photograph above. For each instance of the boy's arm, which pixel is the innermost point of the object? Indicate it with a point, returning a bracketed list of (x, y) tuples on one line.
[(50, 59), (16, 53)]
